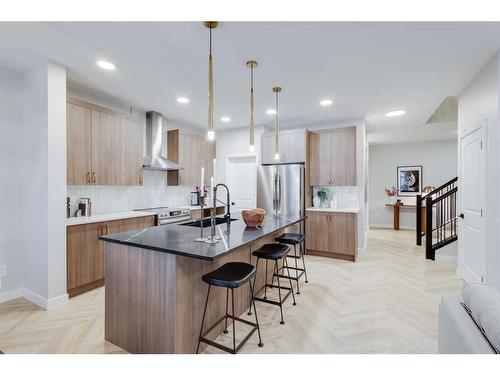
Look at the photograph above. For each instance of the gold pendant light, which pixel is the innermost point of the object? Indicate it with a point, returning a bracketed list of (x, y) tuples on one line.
[(277, 90), (210, 131), (251, 64)]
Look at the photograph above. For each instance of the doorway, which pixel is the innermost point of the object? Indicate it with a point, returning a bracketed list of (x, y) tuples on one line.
[(241, 178), (472, 245)]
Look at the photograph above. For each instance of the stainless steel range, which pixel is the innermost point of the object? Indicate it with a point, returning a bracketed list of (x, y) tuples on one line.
[(169, 215)]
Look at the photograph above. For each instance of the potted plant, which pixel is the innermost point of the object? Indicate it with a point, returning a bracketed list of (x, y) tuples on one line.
[(321, 197), (391, 193)]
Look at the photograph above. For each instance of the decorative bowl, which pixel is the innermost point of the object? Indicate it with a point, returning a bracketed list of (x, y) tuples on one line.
[(253, 217)]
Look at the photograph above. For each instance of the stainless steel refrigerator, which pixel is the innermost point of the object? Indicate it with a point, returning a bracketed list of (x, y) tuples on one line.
[(280, 190)]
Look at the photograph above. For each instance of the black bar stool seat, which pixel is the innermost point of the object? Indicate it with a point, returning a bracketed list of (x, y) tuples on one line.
[(273, 252), (294, 239), (290, 238), (230, 275)]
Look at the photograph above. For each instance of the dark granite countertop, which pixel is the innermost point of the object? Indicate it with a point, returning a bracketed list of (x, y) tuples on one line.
[(178, 239)]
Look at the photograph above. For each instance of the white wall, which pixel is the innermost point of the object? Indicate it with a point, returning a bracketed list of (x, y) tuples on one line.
[(234, 142), (43, 185), (480, 101), (11, 107), (33, 206), (439, 164)]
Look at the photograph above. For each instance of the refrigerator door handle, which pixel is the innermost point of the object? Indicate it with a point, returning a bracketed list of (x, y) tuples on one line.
[(279, 192), (274, 191)]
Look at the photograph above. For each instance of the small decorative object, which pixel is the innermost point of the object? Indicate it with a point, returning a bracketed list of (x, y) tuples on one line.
[(316, 201), (399, 202), (323, 195), (409, 181), (429, 189), (253, 217), (391, 192)]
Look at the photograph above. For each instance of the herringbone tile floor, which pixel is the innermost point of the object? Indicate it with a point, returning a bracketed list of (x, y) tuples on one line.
[(386, 302)]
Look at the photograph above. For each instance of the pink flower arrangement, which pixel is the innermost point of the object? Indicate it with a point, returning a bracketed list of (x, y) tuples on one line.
[(391, 191)]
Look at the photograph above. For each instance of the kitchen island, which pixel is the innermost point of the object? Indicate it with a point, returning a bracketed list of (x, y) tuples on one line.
[(154, 295)]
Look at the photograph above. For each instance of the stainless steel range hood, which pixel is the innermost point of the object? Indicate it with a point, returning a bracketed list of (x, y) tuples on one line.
[(154, 133)]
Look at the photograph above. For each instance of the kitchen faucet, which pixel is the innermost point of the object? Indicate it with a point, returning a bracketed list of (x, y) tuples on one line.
[(228, 203)]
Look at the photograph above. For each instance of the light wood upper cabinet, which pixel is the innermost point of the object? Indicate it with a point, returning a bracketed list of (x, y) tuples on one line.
[(79, 144), (332, 234), (103, 147), (333, 157), (292, 147), (106, 156), (131, 152), (191, 152)]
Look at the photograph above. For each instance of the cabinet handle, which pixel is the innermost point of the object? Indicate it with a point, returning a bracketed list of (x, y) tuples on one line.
[(101, 230), (140, 178), (106, 227), (93, 177), (88, 178)]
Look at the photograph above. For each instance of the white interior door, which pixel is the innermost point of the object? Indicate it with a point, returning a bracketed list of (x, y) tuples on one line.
[(241, 176), (472, 237)]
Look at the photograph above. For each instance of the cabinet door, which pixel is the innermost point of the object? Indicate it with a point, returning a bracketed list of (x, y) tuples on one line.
[(131, 152), (267, 149), (293, 147), (105, 148), (79, 144), (333, 157), (85, 255), (342, 233), (317, 231), (343, 157)]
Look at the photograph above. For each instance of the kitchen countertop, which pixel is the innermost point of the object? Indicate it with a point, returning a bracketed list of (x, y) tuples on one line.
[(328, 209), (179, 239), (106, 217)]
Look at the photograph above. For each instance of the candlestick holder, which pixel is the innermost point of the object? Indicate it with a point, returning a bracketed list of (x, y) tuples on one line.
[(212, 239), (202, 217)]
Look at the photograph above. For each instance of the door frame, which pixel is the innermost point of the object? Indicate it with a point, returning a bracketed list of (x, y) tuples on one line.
[(228, 161), (482, 127)]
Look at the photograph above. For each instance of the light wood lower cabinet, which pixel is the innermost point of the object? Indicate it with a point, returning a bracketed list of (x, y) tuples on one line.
[(85, 252), (332, 234)]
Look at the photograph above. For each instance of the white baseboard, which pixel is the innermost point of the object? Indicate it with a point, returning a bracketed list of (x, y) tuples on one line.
[(10, 295), (389, 226), (46, 304), (446, 258)]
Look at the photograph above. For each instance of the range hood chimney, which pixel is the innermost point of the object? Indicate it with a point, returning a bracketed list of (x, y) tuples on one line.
[(154, 133)]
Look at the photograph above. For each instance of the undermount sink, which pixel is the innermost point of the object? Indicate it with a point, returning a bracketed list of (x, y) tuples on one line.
[(206, 222)]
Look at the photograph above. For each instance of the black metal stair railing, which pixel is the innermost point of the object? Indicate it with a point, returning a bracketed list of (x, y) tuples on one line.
[(440, 218)]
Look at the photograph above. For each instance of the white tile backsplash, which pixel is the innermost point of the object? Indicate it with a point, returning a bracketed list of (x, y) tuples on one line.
[(154, 193), (347, 196)]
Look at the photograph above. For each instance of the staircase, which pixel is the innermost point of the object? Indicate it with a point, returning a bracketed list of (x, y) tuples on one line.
[(439, 226)]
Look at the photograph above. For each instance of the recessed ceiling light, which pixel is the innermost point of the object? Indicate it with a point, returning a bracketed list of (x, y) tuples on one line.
[(106, 65), (182, 100), (225, 119), (271, 111), (326, 102), (395, 113)]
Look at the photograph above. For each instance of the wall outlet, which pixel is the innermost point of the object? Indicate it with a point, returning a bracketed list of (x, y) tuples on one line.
[(3, 270)]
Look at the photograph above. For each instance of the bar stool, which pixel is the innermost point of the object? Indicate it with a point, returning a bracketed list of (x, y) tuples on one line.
[(295, 239), (231, 275), (273, 252)]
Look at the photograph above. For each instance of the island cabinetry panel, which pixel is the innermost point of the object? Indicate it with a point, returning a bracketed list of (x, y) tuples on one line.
[(333, 157), (292, 147), (85, 253), (191, 152), (332, 234), (155, 300), (103, 147)]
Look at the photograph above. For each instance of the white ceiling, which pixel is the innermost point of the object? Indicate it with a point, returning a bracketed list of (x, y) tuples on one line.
[(368, 69)]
